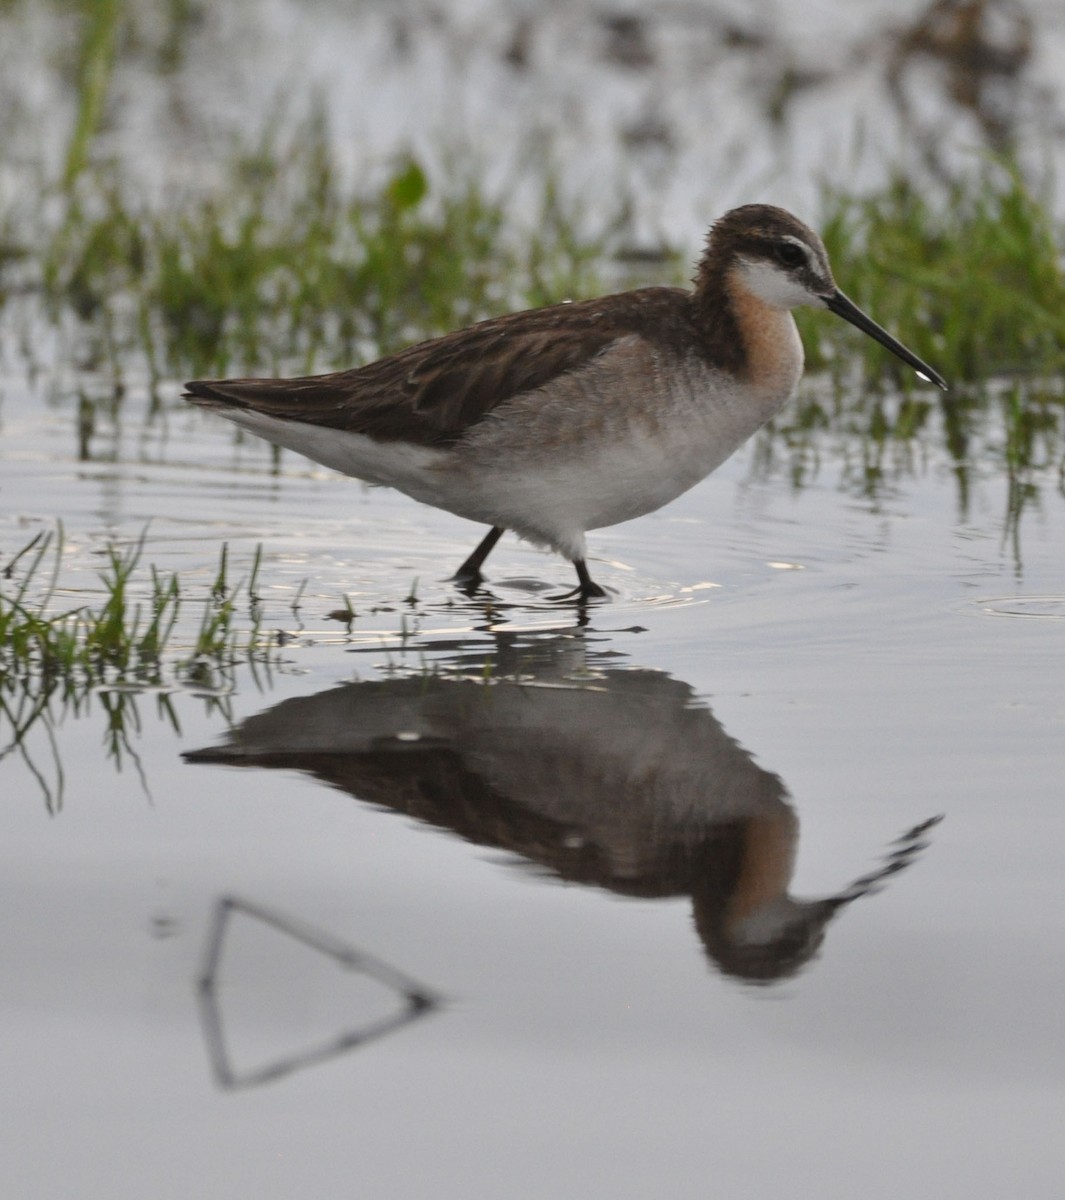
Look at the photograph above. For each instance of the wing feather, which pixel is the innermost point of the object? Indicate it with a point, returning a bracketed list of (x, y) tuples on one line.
[(434, 392)]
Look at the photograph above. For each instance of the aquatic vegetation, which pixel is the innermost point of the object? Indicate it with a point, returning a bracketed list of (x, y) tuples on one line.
[(131, 636), (97, 48), (289, 268), (971, 279), (58, 661), (969, 276), (285, 263)]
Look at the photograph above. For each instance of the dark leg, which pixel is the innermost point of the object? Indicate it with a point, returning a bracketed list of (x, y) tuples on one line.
[(587, 589), (469, 574)]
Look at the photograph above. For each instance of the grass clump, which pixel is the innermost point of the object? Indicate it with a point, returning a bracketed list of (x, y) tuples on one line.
[(287, 267), (55, 661), (969, 278), (124, 637), (285, 264)]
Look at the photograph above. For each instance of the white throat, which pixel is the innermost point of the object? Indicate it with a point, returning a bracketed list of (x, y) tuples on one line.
[(772, 285)]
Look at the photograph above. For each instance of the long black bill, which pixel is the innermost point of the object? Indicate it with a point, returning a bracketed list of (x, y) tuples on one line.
[(849, 311)]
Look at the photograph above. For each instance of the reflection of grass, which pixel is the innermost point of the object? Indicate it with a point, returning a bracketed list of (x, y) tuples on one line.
[(1015, 429), (122, 639), (52, 664)]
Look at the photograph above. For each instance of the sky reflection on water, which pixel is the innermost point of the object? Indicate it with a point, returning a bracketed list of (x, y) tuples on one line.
[(585, 1045)]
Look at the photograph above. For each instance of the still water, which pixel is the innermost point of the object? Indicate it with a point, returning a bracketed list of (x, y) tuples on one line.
[(749, 881), (471, 898)]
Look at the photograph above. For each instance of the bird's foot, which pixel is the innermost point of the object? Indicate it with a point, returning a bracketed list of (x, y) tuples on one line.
[(467, 581), (586, 589), (468, 577), (582, 593)]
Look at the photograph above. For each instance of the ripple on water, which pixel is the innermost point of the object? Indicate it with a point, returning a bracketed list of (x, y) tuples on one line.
[(509, 605), (1052, 607)]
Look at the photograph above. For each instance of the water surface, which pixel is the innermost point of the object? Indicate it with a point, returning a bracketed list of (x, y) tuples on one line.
[(557, 832), (750, 879)]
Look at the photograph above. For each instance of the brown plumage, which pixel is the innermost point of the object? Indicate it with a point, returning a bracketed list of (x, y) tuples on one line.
[(561, 419), (433, 393)]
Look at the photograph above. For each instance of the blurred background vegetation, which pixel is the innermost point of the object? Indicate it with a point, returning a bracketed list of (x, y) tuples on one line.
[(281, 257), (164, 214)]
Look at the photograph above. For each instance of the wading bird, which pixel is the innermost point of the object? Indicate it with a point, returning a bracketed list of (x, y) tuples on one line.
[(558, 420)]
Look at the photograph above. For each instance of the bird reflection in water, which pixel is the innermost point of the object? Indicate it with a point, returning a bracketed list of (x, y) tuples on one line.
[(596, 773)]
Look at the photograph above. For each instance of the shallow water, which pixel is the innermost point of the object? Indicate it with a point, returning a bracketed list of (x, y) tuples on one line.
[(493, 897), (572, 841)]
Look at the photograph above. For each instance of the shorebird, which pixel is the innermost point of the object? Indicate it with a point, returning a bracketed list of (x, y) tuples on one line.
[(557, 420)]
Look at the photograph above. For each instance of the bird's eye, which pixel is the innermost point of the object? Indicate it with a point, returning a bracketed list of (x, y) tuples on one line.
[(789, 254)]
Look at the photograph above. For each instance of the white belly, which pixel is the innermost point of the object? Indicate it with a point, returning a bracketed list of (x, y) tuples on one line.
[(616, 440), (593, 453)]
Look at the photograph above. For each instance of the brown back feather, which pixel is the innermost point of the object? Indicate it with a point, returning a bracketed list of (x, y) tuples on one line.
[(434, 392)]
